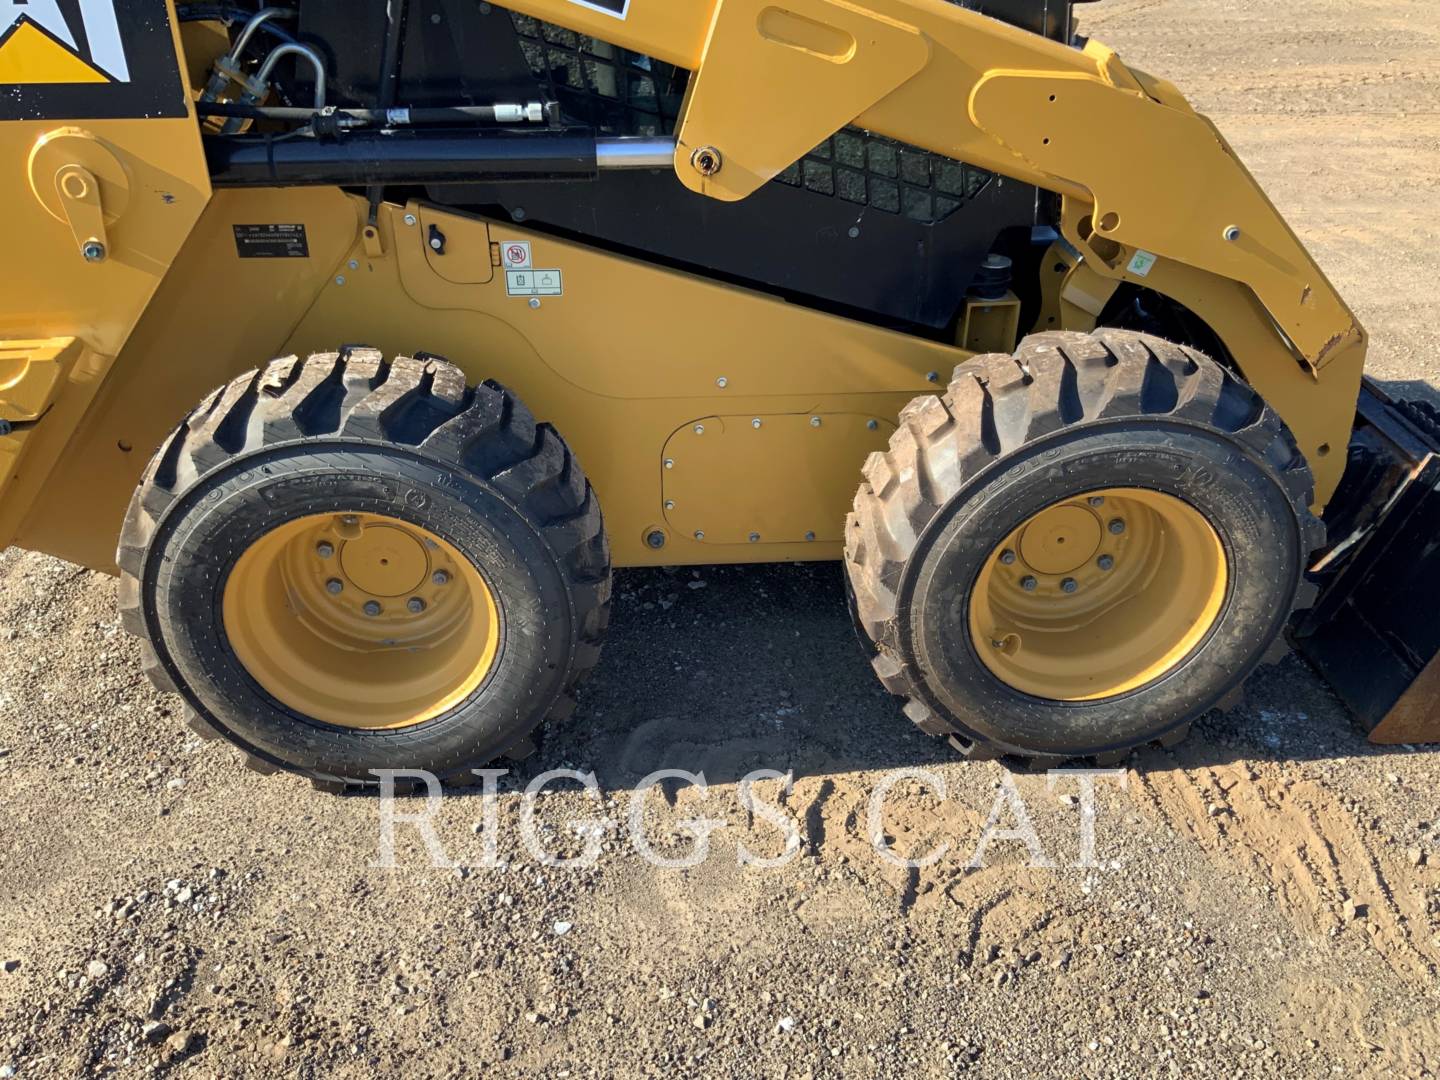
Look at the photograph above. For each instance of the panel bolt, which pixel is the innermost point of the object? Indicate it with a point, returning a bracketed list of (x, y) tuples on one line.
[(699, 535), (722, 382), (669, 504), (754, 538), (871, 425), (1106, 562), (94, 251), (755, 423), (809, 536), (372, 608), (440, 577), (1097, 500), (1028, 583), (534, 303), (932, 376), (324, 549), (1117, 526), (339, 279), (814, 421), (415, 605), (353, 264), (669, 463), (1232, 233), (409, 219), (699, 429), (707, 161), (1007, 556), (1069, 585), (334, 586), (655, 539)]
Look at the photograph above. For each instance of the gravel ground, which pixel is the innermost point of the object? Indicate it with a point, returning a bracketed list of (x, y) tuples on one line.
[(1265, 901)]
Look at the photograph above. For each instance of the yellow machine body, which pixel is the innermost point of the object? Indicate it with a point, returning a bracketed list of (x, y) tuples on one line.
[(728, 420)]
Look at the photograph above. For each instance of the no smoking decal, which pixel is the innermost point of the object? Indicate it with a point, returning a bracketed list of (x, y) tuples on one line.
[(516, 254)]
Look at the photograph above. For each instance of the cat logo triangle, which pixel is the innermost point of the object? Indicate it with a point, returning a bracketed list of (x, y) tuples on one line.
[(39, 47)]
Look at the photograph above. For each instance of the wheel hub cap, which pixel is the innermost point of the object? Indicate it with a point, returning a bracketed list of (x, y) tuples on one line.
[(361, 620), (1098, 595)]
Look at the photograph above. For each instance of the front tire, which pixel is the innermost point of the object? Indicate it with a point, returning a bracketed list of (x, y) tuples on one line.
[(1184, 503), (345, 565)]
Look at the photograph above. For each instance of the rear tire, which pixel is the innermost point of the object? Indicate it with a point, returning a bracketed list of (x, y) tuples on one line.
[(1170, 434), (467, 487)]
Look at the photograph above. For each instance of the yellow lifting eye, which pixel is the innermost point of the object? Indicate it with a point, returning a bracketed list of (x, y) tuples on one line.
[(361, 620), (1098, 595)]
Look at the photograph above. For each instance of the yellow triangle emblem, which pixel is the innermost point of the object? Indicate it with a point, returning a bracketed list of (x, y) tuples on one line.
[(29, 55)]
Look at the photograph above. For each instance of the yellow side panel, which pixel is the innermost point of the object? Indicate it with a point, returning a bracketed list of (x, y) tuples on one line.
[(95, 208)]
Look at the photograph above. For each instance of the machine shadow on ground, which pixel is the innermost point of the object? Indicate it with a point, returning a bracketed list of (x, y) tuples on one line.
[(725, 670)]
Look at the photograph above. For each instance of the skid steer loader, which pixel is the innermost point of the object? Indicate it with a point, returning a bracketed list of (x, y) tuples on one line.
[(938, 289)]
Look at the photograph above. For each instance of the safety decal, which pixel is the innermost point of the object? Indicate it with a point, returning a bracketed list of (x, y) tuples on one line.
[(618, 8), (87, 59), (515, 254), (1142, 263), (534, 283)]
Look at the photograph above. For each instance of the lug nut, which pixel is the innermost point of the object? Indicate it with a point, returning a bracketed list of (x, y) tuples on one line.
[(334, 586), (415, 605), (1028, 583), (1097, 500), (1106, 562), (1069, 585), (440, 577), (1007, 556), (372, 608), (324, 550), (1117, 526)]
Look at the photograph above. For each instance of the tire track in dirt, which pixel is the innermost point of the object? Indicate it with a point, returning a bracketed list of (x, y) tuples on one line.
[(1297, 837)]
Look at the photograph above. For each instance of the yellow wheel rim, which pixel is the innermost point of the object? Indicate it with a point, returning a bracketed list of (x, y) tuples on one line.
[(1098, 595), (361, 620)]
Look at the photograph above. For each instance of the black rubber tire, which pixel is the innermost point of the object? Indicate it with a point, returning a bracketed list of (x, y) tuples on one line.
[(1067, 414), (350, 432)]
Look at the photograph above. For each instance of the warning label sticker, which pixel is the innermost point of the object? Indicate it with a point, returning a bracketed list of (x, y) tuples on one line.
[(534, 283), (1142, 264), (515, 254)]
